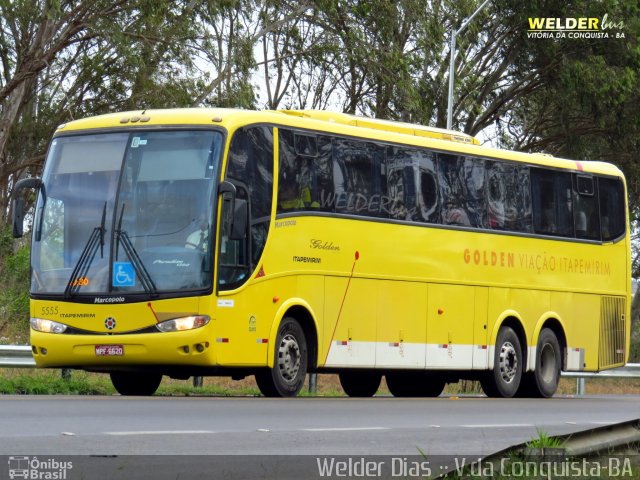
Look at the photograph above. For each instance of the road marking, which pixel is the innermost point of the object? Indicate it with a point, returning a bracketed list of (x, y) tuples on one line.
[(499, 425), (160, 432), (343, 429)]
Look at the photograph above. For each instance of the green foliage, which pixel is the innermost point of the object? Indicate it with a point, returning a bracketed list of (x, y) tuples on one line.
[(207, 390), (51, 383), (543, 440), (14, 291)]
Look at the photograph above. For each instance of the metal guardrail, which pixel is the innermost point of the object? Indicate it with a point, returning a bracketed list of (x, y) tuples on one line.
[(16, 356), (19, 356), (630, 370)]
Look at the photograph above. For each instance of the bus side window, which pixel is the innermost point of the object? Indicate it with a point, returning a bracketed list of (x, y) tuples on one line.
[(359, 178), (401, 204), (552, 203), (461, 181), (585, 203), (508, 197), (612, 208), (411, 185), (305, 181), (289, 196), (322, 194)]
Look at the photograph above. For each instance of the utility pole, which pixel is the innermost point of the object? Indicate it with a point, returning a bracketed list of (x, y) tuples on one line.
[(454, 34)]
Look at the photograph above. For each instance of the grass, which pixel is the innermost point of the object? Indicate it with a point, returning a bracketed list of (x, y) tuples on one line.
[(543, 440), (50, 382)]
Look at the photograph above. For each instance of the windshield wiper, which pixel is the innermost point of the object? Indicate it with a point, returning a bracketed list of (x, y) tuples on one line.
[(123, 238), (96, 239)]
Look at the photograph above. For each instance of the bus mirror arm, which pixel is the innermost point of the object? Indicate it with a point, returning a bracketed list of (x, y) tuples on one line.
[(18, 203), (227, 187)]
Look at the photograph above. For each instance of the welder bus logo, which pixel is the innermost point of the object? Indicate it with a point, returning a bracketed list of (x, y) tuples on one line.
[(36, 469), (574, 27)]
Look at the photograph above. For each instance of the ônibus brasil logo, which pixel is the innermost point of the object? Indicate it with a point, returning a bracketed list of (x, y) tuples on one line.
[(32, 468)]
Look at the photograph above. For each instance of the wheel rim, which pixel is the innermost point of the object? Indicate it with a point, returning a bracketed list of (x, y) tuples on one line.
[(508, 362), (547, 363), (289, 357)]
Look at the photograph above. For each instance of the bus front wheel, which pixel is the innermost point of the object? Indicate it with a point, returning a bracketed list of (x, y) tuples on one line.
[(287, 376), (135, 383), (504, 379), (543, 381), (358, 383)]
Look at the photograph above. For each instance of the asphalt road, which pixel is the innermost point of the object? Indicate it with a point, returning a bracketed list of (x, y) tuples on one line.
[(64, 425)]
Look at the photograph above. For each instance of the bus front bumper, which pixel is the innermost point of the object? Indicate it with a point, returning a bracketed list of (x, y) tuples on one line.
[(186, 348)]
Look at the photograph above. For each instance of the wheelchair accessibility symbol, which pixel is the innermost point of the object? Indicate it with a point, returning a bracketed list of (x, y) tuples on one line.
[(123, 275)]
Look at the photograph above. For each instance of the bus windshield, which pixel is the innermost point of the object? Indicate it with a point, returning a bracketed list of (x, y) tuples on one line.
[(126, 213)]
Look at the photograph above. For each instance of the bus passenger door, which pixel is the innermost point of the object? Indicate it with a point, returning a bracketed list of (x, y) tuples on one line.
[(450, 326)]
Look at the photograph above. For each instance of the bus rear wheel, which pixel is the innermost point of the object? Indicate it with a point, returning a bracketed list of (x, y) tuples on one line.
[(135, 383), (504, 379), (543, 381), (287, 376), (414, 384), (358, 383)]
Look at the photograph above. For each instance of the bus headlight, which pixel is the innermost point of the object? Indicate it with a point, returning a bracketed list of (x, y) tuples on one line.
[(183, 323), (47, 326)]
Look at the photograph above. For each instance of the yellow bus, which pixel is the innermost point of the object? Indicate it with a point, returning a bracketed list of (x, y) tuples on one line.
[(276, 243)]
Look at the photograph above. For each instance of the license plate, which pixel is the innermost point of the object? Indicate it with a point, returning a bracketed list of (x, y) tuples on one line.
[(109, 350)]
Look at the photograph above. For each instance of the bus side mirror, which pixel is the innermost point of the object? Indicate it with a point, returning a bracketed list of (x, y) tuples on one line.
[(18, 203), (240, 220), (239, 211), (18, 217)]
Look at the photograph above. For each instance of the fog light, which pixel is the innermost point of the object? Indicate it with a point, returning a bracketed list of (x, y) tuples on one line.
[(200, 348)]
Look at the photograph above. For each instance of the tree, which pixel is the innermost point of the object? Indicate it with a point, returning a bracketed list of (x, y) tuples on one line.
[(63, 59)]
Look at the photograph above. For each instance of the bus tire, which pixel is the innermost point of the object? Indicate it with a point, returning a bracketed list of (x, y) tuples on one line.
[(414, 384), (504, 379), (543, 381), (289, 371), (135, 383), (358, 383)]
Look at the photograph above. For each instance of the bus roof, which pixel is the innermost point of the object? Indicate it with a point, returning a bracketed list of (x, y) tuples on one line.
[(331, 122), (385, 125)]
